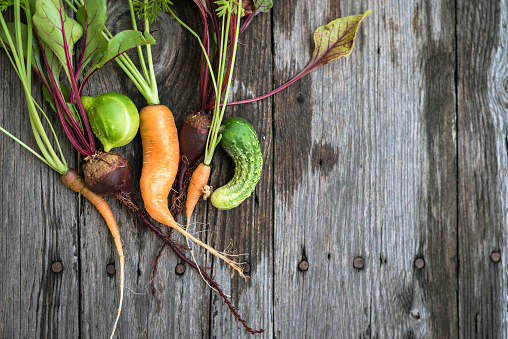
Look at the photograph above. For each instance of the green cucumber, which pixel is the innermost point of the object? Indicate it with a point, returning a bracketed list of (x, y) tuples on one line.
[(240, 141)]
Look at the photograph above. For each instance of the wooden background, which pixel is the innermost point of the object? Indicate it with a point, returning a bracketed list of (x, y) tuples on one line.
[(396, 153)]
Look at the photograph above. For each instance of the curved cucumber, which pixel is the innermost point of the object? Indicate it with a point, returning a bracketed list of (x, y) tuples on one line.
[(240, 141)]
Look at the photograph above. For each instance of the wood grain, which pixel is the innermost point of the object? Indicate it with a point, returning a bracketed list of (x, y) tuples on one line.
[(365, 169), (397, 153), (482, 38), (248, 228)]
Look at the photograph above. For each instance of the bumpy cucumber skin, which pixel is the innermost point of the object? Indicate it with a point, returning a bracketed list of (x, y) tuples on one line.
[(240, 141)]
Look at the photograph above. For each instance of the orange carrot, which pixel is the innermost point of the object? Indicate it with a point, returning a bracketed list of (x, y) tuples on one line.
[(76, 183), (160, 164), (196, 187)]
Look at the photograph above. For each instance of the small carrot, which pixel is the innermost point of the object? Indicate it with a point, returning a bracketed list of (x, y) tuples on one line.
[(196, 188), (160, 164), (76, 183)]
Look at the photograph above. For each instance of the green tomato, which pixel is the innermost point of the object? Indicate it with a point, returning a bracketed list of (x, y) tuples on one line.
[(114, 118)]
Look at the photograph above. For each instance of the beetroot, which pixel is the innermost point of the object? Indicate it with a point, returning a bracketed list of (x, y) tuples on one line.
[(107, 173), (192, 137)]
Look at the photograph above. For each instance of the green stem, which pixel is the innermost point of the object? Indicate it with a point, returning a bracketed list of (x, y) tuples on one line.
[(71, 5), (145, 83), (213, 140), (140, 51), (23, 70), (62, 158), (153, 81), (24, 145), (202, 48)]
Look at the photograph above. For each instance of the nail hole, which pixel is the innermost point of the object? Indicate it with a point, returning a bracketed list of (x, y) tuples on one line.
[(495, 256), (246, 268), (300, 99)]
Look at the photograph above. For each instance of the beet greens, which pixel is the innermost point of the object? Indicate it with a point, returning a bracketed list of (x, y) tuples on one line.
[(57, 34)]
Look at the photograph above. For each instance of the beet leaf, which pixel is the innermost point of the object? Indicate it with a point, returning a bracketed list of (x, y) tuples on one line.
[(57, 30), (331, 41), (262, 6), (124, 41), (92, 17)]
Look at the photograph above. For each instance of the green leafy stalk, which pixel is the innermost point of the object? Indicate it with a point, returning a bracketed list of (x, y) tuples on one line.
[(226, 10), (19, 49), (145, 80), (58, 34)]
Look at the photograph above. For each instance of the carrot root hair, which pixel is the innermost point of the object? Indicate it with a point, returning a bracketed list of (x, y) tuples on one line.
[(75, 182), (161, 155)]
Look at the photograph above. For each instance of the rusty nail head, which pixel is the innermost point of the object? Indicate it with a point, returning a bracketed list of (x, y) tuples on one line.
[(495, 256), (110, 269), (358, 263), (180, 269), (57, 267), (303, 265), (419, 263), (246, 268)]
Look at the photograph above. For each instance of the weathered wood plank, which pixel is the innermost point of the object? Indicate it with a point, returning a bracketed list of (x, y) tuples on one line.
[(248, 227), (12, 163), (418, 111), (39, 226), (185, 299), (482, 40), (370, 175), (313, 146)]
